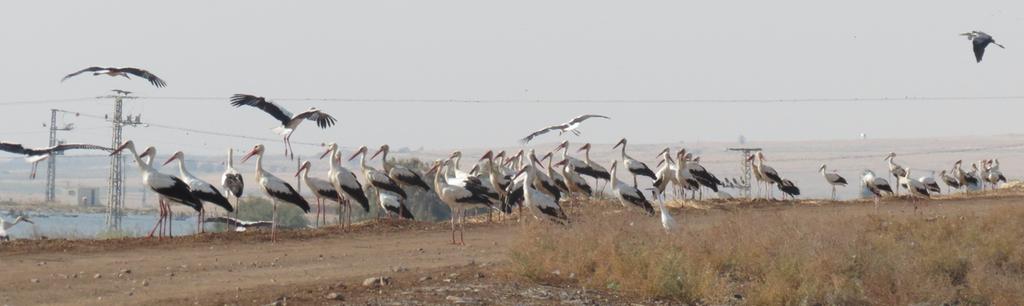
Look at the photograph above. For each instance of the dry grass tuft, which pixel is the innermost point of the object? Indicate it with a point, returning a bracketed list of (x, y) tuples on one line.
[(835, 256)]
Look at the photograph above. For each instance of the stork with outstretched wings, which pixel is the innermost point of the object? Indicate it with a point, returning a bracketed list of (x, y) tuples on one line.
[(569, 127), (122, 72)]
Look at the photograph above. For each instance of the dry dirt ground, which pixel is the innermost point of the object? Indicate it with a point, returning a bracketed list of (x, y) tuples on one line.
[(329, 266)]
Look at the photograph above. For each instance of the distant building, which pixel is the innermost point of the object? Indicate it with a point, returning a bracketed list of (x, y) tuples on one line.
[(85, 196)]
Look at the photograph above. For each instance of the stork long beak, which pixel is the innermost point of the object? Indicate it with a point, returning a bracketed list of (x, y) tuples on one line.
[(119, 149), (561, 163), (621, 142), (584, 148), (172, 158), (660, 162), (377, 153), (546, 156), (248, 155), (562, 145), (437, 166), (487, 155), (360, 151), (474, 170), (520, 172), (328, 152), (303, 167), (23, 218)]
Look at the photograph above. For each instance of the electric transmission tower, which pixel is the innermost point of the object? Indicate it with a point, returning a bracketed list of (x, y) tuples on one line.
[(51, 163), (115, 194), (745, 169)]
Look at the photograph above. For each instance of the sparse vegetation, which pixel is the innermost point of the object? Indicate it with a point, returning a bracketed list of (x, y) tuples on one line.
[(792, 256)]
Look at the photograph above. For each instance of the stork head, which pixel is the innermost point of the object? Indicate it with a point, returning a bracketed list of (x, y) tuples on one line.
[(533, 158), (890, 156), (455, 154), (822, 168), (24, 219), (620, 143), (435, 167), (361, 150), (563, 145), (489, 155), (304, 167), (664, 152), (128, 144), (942, 173), (501, 154), (383, 149), (520, 172), (177, 155), (331, 147), (614, 164), (546, 156), (584, 147), (257, 149), (696, 159)]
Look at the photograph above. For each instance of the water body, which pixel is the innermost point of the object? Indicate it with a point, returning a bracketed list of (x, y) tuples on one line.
[(87, 225)]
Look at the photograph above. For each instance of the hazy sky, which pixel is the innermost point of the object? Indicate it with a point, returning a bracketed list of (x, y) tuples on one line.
[(545, 50)]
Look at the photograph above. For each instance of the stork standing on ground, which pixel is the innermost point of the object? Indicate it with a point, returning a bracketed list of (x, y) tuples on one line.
[(458, 198), (288, 122), (896, 171), (382, 183), (541, 204), (36, 155), (877, 185), (994, 176), (122, 72), (574, 183), (275, 188), (667, 222), (232, 181), (569, 127), (771, 177), (579, 166), (170, 188), (4, 226), (322, 190), (916, 188), (600, 173), (833, 179), (634, 166), (980, 40), (345, 183), (400, 174), (966, 179), (629, 195), (789, 188), (201, 189), (930, 184), (951, 182), (702, 175)]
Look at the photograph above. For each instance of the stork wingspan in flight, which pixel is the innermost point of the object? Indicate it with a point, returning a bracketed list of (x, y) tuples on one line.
[(569, 127), (288, 121), (124, 72), (36, 155), (980, 40)]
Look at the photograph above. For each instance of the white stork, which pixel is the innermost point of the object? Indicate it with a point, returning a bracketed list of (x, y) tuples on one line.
[(381, 182), (768, 173), (570, 127), (345, 182), (667, 222), (832, 178), (201, 189), (322, 190), (966, 179), (600, 173), (896, 170), (122, 72), (398, 173), (877, 185), (980, 40), (240, 225), (951, 182), (789, 188), (579, 166), (634, 166), (684, 177), (541, 204), (4, 226), (930, 183), (232, 181), (274, 187), (574, 183), (700, 174), (994, 176), (170, 188), (916, 188), (288, 121), (666, 173), (629, 195), (36, 155), (458, 198)]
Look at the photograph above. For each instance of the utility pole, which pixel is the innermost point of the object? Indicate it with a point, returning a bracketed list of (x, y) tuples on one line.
[(745, 169), (51, 163), (115, 180)]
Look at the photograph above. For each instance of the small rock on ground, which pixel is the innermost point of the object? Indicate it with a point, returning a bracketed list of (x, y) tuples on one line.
[(377, 281)]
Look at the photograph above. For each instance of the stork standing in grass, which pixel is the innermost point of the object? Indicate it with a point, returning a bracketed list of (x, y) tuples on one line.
[(288, 121), (634, 166), (345, 183), (966, 179), (951, 182), (629, 195), (916, 188), (770, 176), (877, 185), (275, 188), (832, 178), (232, 181), (170, 188), (322, 190), (541, 204), (600, 173), (201, 189)]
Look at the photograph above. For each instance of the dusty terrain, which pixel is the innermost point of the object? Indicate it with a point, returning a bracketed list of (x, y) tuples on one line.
[(328, 266)]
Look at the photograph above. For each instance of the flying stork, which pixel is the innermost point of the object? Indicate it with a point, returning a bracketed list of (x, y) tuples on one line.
[(36, 155), (980, 40), (570, 127), (877, 185), (170, 188), (398, 173), (240, 225), (123, 72), (629, 194), (4, 226), (322, 190), (345, 182), (274, 187), (832, 178), (634, 166), (200, 189), (288, 122), (232, 181)]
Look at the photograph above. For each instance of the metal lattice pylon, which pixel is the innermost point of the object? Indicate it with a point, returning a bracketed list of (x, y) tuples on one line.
[(745, 171), (115, 181)]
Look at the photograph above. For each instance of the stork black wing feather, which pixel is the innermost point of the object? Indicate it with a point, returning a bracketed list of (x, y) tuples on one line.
[(261, 103), (215, 198), (292, 196), (358, 195), (90, 69), (152, 78)]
